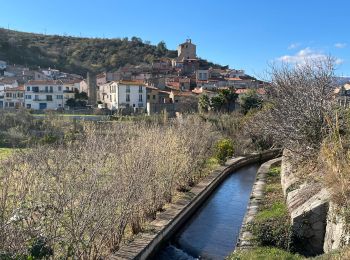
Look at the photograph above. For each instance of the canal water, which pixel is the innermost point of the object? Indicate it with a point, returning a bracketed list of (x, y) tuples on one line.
[(213, 230)]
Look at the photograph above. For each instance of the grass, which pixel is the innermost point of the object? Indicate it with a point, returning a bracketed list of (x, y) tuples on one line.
[(260, 253), (6, 152), (273, 204), (277, 210), (271, 226)]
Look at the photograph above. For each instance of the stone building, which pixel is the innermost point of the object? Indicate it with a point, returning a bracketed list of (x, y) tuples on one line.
[(186, 50)]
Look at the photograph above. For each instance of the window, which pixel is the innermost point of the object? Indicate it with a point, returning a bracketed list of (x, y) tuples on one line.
[(11, 104), (154, 96), (127, 89), (140, 104), (59, 88), (36, 97), (51, 89), (46, 89), (110, 98), (20, 95), (148, 97), (28, 96), (59, 96), (49, 97), (28, 88), (8, 95), (140, 89), (29, 106), (140, 98), (127, 97), (35, 89)]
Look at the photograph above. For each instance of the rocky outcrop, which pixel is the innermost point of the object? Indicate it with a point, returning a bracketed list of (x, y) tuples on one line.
[(308, 205), (318, 225), (337, 231)]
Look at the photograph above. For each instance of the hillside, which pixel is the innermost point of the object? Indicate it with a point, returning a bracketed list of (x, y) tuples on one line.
[(74, 54)]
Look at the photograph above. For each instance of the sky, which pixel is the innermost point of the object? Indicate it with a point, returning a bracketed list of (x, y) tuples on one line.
[(245, 34)]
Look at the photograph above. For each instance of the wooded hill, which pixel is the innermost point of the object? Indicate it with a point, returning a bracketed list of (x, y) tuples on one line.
[(75, 54)]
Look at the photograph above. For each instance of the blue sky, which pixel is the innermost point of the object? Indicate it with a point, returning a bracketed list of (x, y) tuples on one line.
[(245, 34)]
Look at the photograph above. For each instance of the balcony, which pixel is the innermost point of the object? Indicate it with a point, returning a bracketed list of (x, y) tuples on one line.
[(42, 99)]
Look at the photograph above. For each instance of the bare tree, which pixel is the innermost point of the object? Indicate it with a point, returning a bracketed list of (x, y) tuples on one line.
[(299, 101)]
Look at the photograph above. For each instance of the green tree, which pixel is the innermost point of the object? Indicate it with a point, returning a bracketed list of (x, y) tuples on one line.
[(250, 100), (229, 96), (217, 102), (204, 103), (161, 48)]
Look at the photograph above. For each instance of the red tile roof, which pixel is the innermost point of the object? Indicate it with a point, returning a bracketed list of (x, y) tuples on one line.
[(131, 82), (19, 88), (44, 82)]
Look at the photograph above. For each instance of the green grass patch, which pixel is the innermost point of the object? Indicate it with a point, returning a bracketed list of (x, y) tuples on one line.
[(260, 253), (274, 172), (6, 152), (271, 226), (277, 210)]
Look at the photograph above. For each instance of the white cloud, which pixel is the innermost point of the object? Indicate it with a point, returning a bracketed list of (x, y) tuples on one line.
[(306, 54), (293, 46), (340, 45)]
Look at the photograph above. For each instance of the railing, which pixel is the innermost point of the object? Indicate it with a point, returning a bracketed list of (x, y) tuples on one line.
[(42, 99)]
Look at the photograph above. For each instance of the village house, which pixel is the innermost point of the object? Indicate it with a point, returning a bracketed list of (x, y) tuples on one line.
[(44, 94), (123, 94), (157, 96), (202, 75), (6, 83), (14, 97)]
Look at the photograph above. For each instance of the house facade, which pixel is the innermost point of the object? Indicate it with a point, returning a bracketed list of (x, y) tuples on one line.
[(44, 94), (6, 83), (124, 94), (14, 97)]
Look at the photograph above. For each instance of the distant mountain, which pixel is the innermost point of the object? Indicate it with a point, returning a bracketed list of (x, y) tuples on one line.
[(342, 80), (74, 54)]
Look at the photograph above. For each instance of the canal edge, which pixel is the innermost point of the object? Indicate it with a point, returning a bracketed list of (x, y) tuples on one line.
[(169, 221), (245, 238)]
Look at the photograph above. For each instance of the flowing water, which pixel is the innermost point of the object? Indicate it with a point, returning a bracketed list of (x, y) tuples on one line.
[(212, 232)]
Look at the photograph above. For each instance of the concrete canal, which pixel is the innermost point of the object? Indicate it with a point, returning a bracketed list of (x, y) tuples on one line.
[(212, 232)]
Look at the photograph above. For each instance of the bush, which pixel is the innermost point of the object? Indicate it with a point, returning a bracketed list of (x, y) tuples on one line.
[(223, 149), (271, 228)]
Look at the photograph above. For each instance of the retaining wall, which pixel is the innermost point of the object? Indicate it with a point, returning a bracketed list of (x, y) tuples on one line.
[(169, 221)]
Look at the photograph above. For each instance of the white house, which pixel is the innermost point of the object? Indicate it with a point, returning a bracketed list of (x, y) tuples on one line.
[(44, 94), (202, 74), (6, 83), (123, 94)]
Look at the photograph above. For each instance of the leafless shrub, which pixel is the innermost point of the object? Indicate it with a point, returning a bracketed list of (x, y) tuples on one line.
[(83, 196), (299, 101)]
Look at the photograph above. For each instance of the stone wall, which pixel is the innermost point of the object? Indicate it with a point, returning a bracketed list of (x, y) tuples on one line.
[(308, 206), (317, 225), (337, 232)]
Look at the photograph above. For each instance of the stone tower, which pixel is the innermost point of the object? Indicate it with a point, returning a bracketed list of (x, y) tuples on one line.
[(186, 50), (92, 90)]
